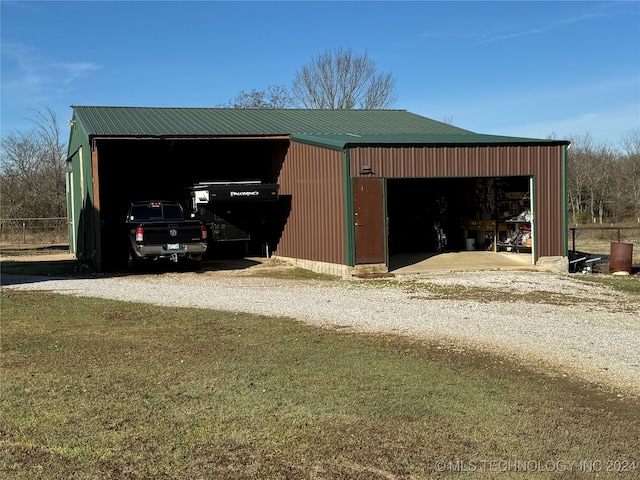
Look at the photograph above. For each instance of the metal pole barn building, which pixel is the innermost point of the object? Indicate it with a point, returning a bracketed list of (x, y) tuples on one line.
[(356, 187)]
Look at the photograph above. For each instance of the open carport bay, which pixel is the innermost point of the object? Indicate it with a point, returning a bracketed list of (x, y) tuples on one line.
[(140, 169)]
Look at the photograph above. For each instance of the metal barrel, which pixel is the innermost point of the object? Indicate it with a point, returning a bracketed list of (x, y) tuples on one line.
[(621, 258)]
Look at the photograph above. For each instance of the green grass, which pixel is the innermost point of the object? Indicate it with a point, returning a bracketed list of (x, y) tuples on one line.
[(627, 284), (294, 273), (104, 389), (424, 290)]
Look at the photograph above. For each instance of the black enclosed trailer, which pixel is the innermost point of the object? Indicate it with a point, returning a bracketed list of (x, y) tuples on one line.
[(237, 212)]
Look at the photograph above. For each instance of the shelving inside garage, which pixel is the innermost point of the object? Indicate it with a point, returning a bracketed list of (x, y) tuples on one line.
[(471, 212)]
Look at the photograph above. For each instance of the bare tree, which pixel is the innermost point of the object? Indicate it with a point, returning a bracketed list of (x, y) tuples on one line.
[(339, 79), (32, 170), (631, 162), (577, 181), (589, 180), (604, 183), (274, 96), (602, 175)]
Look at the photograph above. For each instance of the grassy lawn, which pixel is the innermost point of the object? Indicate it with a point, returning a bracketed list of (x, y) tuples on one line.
[(96, 388), (628, 284)]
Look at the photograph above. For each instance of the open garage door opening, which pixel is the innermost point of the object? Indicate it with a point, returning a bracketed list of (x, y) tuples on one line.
[(429, 216), (169, 169)]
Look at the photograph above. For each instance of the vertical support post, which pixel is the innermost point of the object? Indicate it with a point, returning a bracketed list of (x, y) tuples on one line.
[(350, 234), (564, 199), (97, 221)]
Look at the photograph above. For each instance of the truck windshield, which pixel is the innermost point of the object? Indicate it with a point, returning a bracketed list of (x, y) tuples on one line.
[(156, 211)]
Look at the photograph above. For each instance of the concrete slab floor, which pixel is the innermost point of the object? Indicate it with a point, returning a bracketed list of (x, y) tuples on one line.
[(409, 263)]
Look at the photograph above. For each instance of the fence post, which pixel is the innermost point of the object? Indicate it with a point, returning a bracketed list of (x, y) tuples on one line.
[(24, 233)]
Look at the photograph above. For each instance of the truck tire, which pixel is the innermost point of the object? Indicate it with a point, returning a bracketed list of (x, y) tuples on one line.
[(132, 262), (191, 264)]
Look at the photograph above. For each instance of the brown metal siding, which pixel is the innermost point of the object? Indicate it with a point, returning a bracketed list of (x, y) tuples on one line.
[(548, 206), (543, 162), (315, 229)]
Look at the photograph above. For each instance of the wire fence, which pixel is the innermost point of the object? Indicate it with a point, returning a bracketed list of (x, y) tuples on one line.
[(34, 231), (594, 240), (597, 240)]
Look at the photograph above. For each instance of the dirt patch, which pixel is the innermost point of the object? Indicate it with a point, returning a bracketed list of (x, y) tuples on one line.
[(30, 253), (44, 257)]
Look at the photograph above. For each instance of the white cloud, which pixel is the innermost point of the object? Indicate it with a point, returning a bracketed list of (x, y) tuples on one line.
[(582, 12), (28, 76), (607, 126), (606, 108), (70, 72)]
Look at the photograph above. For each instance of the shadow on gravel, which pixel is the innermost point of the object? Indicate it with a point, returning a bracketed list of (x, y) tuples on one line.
[(13, 272), (229, 264)]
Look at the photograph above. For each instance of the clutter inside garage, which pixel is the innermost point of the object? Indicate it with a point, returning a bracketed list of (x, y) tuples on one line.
[(454, 214)]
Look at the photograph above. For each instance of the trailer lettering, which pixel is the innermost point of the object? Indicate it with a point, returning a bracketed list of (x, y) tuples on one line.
[(244, 194)]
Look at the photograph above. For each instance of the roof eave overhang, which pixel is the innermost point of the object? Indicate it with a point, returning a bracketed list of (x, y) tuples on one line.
[(330, 144), (187, 137), (335, 144), (456, 144)]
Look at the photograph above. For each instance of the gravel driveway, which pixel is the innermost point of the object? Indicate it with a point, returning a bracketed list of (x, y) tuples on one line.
[(550, 321)]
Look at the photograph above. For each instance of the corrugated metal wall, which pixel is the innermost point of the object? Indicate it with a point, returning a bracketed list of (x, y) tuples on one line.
[(315, 229), (542, 162)]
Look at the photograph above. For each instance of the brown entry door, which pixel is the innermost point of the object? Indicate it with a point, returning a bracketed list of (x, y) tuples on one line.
[(368, 207)]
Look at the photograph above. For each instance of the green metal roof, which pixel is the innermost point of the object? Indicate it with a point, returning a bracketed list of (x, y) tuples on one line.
[(156, 121), (328, 128), (339, 142)]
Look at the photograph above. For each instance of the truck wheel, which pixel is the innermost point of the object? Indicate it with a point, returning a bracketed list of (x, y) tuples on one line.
[(193, 263), (197, 264), (132, 262)]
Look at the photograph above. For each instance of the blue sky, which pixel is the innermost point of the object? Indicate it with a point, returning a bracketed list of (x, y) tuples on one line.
[(516, 68)]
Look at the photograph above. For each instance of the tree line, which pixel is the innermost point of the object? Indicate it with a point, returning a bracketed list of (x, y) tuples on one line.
[(603, 182), (32, 170)]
